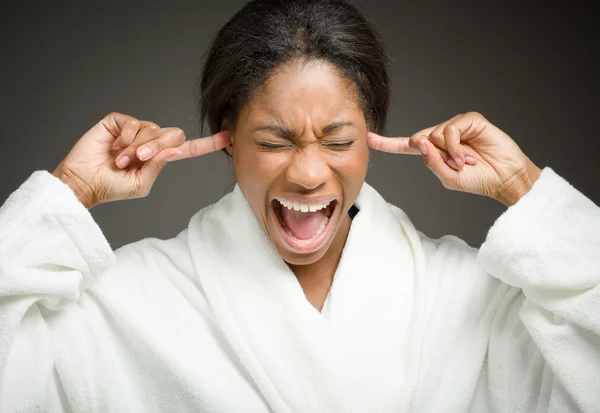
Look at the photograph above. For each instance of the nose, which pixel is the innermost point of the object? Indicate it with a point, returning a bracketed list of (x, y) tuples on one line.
[(309, 169)]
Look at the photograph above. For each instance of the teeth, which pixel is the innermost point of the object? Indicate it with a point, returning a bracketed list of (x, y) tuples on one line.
[(297, 206)]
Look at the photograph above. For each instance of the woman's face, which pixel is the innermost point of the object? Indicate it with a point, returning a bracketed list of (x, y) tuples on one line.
[(300, 156)]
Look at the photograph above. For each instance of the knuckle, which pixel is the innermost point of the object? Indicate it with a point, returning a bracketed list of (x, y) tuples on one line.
[(414, 140), (193, 149), (450, 128), (146, 124), (159, 145), (128, 138), (179, 135)]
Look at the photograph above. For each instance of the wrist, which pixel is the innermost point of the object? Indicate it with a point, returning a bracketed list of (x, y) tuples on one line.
[(511, 191), (81, 190)]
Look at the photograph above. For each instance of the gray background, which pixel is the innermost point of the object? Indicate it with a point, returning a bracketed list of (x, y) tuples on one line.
[(532, 69)]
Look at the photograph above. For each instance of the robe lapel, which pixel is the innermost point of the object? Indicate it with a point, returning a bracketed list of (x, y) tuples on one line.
[(363, 356)]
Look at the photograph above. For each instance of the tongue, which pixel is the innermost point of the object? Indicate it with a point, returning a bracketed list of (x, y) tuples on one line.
[(302, 225)]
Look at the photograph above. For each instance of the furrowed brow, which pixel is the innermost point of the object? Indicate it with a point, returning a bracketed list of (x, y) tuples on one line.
[(276, 129)]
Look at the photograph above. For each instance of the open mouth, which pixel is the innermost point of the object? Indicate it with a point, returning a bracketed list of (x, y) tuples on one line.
[(304, 227)]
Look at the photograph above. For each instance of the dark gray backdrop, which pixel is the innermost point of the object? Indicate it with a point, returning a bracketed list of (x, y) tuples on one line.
[(530, 68)]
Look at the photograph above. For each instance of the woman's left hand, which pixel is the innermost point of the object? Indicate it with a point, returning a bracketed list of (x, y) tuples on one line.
[(467, 153)]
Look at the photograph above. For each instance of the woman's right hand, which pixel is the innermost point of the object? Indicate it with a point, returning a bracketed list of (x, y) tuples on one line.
[(121, 157)]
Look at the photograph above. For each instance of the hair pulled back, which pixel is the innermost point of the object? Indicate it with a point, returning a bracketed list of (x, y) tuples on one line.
[(265, 34)]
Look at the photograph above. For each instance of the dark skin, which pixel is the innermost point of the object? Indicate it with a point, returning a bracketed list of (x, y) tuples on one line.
[(467, 153), (303, 134)]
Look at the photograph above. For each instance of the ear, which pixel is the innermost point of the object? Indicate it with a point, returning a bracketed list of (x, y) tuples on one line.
[(229, 148), (227, 124)]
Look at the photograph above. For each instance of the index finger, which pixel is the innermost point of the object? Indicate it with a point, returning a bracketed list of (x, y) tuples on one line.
[(201, 146), (398, 145)]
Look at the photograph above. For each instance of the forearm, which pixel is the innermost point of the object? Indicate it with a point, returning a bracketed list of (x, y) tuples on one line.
[(48, 237), (546, 243), (547, 246)]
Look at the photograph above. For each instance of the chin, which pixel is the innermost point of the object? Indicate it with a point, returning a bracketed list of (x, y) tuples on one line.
[(305, 259)]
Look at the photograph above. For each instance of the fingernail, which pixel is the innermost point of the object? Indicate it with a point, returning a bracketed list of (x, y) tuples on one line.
[(122, 161), (422, 147), (459, 162), (470, 160), (116, 148), (144, 153), (452, 163)]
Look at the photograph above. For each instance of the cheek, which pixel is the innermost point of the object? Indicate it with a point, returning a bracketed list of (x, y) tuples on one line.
[(257, 171), (352, 165)]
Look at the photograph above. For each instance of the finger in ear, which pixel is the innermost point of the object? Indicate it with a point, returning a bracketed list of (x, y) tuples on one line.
[(229, 148)]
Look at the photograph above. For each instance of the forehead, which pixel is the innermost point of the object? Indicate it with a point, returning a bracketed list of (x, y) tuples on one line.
[(301, 92)]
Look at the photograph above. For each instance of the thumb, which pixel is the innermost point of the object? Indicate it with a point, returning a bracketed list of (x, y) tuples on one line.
[(152, 168), (434, 160)]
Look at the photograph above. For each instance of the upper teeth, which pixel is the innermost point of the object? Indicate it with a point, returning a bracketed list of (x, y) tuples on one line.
[(298, 206)]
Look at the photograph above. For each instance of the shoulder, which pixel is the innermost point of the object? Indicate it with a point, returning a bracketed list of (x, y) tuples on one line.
[(152, 277), (149, 262), (445, 256), (448, 244), (153, 250), (458, 287)]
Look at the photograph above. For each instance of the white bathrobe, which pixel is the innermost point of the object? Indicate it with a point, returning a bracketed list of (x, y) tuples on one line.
[(214, 321)]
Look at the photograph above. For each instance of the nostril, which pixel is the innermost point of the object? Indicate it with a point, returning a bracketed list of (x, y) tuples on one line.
[(309, 175)]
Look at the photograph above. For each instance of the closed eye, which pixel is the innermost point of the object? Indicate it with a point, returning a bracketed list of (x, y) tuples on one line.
[(271, 146), (340, 145)]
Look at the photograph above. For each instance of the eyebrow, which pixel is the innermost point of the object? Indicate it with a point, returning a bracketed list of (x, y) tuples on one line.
[(278, 130), (288, 134), (332, 127)]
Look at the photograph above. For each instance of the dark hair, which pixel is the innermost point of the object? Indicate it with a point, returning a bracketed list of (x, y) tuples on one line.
[(265, 34)]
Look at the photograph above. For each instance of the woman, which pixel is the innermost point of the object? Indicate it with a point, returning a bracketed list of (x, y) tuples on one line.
[(302, 290)]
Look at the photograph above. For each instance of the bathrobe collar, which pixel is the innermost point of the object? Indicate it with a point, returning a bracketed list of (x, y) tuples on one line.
[(359, 354)]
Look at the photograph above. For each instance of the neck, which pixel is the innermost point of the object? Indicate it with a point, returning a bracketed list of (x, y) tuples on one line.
[(316, 278)]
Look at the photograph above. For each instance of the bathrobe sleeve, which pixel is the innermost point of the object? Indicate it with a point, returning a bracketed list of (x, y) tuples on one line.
[(51, 250), (548, 246)]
